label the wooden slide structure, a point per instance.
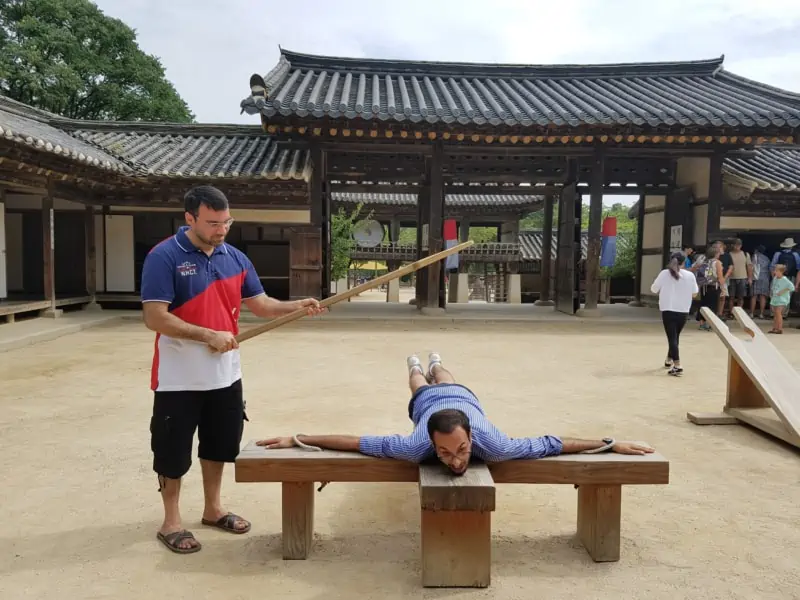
(763, 387)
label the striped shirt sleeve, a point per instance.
(401, 447)
(498, 447)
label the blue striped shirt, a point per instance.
(488, 442)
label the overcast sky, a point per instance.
(211, 47)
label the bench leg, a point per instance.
(456, 548)
(298, 519)
(599, 512)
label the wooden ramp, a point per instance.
(763, 387)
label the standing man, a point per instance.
(193, 285)
(741, 274)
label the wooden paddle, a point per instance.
(368, 285)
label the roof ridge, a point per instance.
(312, 61)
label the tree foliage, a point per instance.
(342, 241)
(67, 57)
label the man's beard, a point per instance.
(210, 242)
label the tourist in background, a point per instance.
(740, 275)
(782, 288)
(676, 287)
(709, 276)
(761, 282)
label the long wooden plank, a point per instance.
(767, 368)
(767, 421)
(255, 464)
(367, 285)
(439, 489)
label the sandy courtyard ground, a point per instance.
(81, 509)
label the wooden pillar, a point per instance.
(637, 293)
(595, 218)
(421, 276)
(599, 516)
(547, 252)
(297, 506)
(714, 197)
(394, 230)
(320, 216)
(434, 274)
(48, 251)
(91, 256)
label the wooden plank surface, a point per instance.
(456, 548)
(440, 489)
(767, 368)
(703, 418)
(767, 421)
(255, 464)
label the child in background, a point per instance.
(782, 288)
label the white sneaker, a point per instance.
(433, 359)
(413, 362)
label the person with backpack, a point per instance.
(709, 279)
(676, 287)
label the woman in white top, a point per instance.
(675, 288)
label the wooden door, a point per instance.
(305, 257)
(567, 255)
(678, 212)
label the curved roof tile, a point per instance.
(698, 93)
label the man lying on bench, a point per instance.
(450, 424)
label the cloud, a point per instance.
(211, 48)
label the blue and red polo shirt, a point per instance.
(203, 290)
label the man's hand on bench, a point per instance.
(347, 443)
(631, 448)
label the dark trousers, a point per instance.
(710, 299)
(673, 325)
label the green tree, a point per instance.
(67, 57)
(342, 241)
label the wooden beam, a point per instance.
(48, 248)
(435, 228)
(595, 218)
(599, 519)
(297, 507)
(637, 292)
(547, 250)
(91, 252)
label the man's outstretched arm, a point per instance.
(573, 445)
(383, 446)
(500, 447)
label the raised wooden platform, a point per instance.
(468, 499)
(10, 308)
(763, 387)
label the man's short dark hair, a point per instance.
(446, 421)
(208, 196)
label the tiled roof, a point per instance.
(461, 200)
(31, 127)
(772, 168)
(215, 152)
(693, 93)
(531, 244)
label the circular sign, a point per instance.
(368, 233)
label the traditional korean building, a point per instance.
(681, 135)
(648, 129)
(759, 204)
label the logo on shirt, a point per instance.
(187, 268)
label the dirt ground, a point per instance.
(81, 508)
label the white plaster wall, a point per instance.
(651, 267)
(653, 230)
(756, 223)
(700, 218)
(655, 202)
(14, 252)
(694, 172)
(119, 254)
(25, 201)
(100, 250)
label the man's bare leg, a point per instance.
(437, 372)
(416, 377)
(170, 494)
(212, 488)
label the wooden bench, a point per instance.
(455, 511)
(763, 388)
